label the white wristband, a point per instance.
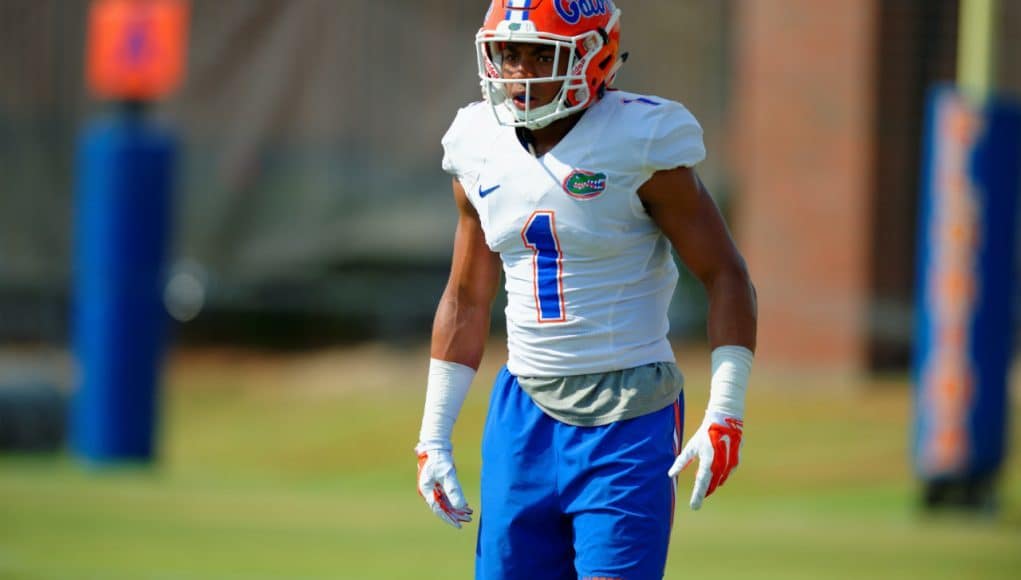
(731, 366)
(445, 392)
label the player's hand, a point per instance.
(438, 485)
(717, 444)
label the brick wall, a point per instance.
(803, 97)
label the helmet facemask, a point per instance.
(574, 94)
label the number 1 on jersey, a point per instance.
(540, 236)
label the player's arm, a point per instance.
(679, 204)
(461, 325)
(459, 335)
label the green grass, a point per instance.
(303, 468)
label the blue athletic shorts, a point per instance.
(567, 503)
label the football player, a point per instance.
(576, 193)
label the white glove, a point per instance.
(717, 441)
(438, 485)
(717, 444)
(446, 390)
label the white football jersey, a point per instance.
(589, 275)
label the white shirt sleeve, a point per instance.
(675, 141)
(450, 148)
(459, 142)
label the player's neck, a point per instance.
(540, 141)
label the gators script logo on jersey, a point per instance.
(584, 184)
(573, 10)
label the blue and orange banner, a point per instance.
(966, 285)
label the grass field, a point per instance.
(301, 467)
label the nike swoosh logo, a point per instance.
(640, 100)
(725, 439)
(485, 192)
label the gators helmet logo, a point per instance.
(573, 10)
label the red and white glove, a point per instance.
(438, 485)
(437, 477)
(717, 444)
(717, 441)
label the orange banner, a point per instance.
(136, 48)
